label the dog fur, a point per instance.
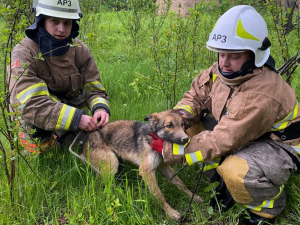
(130, 141)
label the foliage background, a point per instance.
(146, 61)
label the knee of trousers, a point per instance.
(38, 141)
(249, 187)
(233, 171)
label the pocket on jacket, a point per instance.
(76, 82)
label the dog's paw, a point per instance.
(198, 199)
(174, 214)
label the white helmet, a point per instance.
(241, 28)
(68, 9)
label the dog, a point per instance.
(130, 140)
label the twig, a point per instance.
(189, 207)
(178, 171)
(4, 162)
(290, 66)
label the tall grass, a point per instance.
(63, 190)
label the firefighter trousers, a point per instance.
(255, 174)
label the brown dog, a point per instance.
(130, 141)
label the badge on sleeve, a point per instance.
(15, 64)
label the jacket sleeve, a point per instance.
(193, 101)
(39, 107)
(246, 121)
(93, 90)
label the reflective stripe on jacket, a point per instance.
(35, 147)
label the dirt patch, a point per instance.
(178, 6)
(182, 6)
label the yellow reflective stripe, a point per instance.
(98, 101)
(185, 107)
(296, 148)
(241, 32)
(65, 117)
(194, 157)
(179, 149)
(34, 90)
(267, 203)
(95, 85)
(214, 76)
(209, 166)
(282, 124)
(54, 98)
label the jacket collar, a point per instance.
(241, 79)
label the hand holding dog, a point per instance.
(102, 116)
(89, 123)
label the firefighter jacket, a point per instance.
(54, 91)
(245, 108)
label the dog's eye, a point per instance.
(170, 125)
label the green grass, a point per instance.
(62, 188)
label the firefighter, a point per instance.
(250, 116)
(60, 92)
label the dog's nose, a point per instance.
(184, 139)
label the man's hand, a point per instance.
(87, 123)
(102, 116)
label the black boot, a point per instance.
(223, 198)
(256, 219)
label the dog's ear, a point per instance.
(180, 112)
(151, 117)
(153, 120)
(148, 117)
(189, 121)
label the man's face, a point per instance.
(232, 62)
(59, 28)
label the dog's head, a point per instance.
(169, 125)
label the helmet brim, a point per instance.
(219, 50)
(57, 14)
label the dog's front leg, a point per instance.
(168, 172)
(149, 176)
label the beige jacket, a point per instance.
(245, 107)
(54, 90)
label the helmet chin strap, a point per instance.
(246, 68)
